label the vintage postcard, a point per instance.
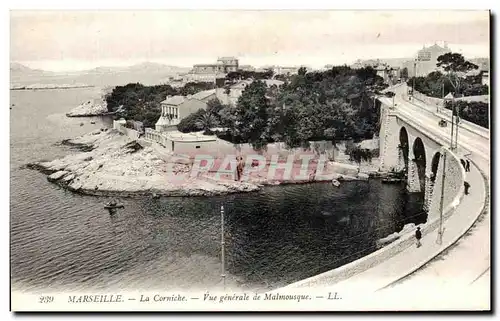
(286, 160)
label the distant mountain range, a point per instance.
(144, 67)
(147, 73)
(18, 68)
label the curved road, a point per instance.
(466, 265)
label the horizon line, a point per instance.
(128, 64)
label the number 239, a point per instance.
(46, 299)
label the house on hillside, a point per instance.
(485, 78)
(176, 108)
(211, 72)
(389, 74)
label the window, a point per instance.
(197, 146)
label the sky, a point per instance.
(78, 40)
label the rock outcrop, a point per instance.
(116, 165)
(109, 162)
(89, 108)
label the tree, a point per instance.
(206, 121)
(251, 115)
(456, 68)
(192, 122)
(404, 73)
(302, 71)
(214, 106)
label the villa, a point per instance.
(176, 108)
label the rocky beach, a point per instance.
(110, 163)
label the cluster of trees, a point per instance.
(336, 104)
(359, 155)
(204, 119)
(245, 74)
(332, 105)
(474, 111)
(454, 78)
(404, 74)
(142, 103)
(436, 84)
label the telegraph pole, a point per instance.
(441, 205)
(452, 121)
(457, 121)
(414, 76)
(223, 275)
(442, 97)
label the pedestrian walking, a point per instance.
(418, 236)
(463, 164)
(466, 186)
(467, 166)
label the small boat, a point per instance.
(326, 214)
(391, 180)
(112, 205)
(335, 183)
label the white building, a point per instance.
(176, 108)
(426, 60)
(485, 78)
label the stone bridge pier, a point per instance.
(404, 147)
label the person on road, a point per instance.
(466, 186)
(467, 166)
(418, 236)
(463, 164)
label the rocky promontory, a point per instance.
(113, 164)
(89, 108)
(109, 162)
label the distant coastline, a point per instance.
(48, 86)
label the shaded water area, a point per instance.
(274, 237)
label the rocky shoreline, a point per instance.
(48, 87)
(90, 109)
(109, 163)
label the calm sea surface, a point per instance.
(273, 237)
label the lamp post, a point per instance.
(442, 97)
(454, 125)
(414, 76)
(223, 275)
(457, 110)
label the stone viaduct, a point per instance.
(406, 146)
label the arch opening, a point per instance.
(435, 165)
(404, 146)
(420, 161)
